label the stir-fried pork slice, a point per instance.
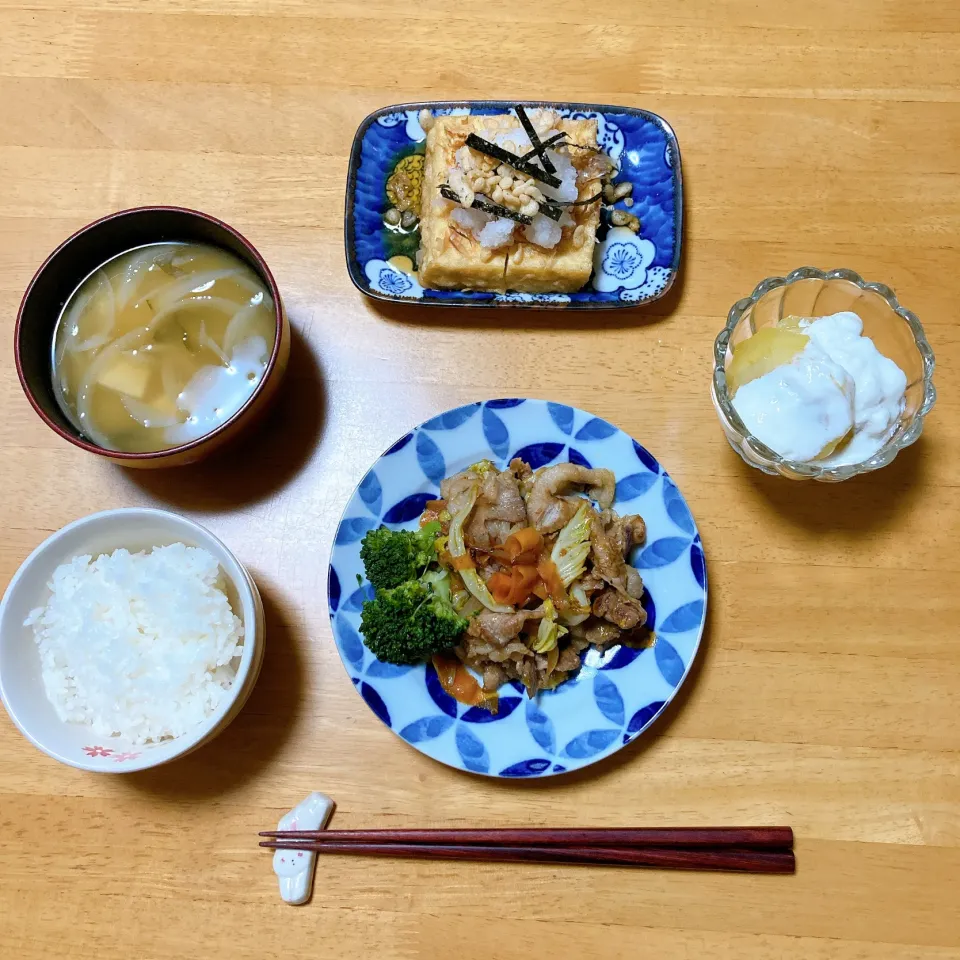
(456, 489)
(520, 469)
(501, 628)
(499, 507)
(634, 583)
(569, 660)
(625, 532)
(549, 510)
(477, 651)
(607, 557)
(601, 633)
(622, 610)
(591, 583)
(529, 676)
(494, 677)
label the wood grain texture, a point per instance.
(825, 132)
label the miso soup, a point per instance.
(161, 345)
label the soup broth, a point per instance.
(161, 345)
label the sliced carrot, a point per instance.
(526, 541)
(525, 578)
(514, 587)
(551, 578)
(446, 668)
(463, 563)
(461, 684)
(526, 575)
(501, 586)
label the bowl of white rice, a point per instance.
(127, 639)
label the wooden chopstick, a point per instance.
(741, 859)
(634, 837)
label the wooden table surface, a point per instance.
(826, 694)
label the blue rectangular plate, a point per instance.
(629, 269)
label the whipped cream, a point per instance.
(837, 402)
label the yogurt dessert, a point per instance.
(817, 389)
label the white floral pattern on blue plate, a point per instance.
(654, 285)
(617, 694)
(411, 120)
(387, 279)
(621, 261)
(626, 271)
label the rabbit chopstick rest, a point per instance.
(295, 868)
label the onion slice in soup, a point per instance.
(149, 416)
(238, 329)
(182, 288)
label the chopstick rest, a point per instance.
(295, 868)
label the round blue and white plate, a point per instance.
(616, 695)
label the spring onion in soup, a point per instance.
(161, 345)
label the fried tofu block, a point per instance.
(566, 267)
(450, 256)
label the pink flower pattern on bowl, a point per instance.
(98, 751)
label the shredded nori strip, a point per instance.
(579, 203)
(585, 146)
(511, 159)
(551, 208)
(546, 143)
(488, 206)
(538, 147)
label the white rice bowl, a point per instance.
(23, 689)
(141, 646)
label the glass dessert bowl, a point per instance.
(810, 293)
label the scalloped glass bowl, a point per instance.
(809, 292)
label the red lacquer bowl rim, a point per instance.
(207, 437)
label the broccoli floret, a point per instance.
(409, 623)
(391, 557)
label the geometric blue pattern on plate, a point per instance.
(629, 269)
(617, 694)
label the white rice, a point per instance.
(140, 646)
